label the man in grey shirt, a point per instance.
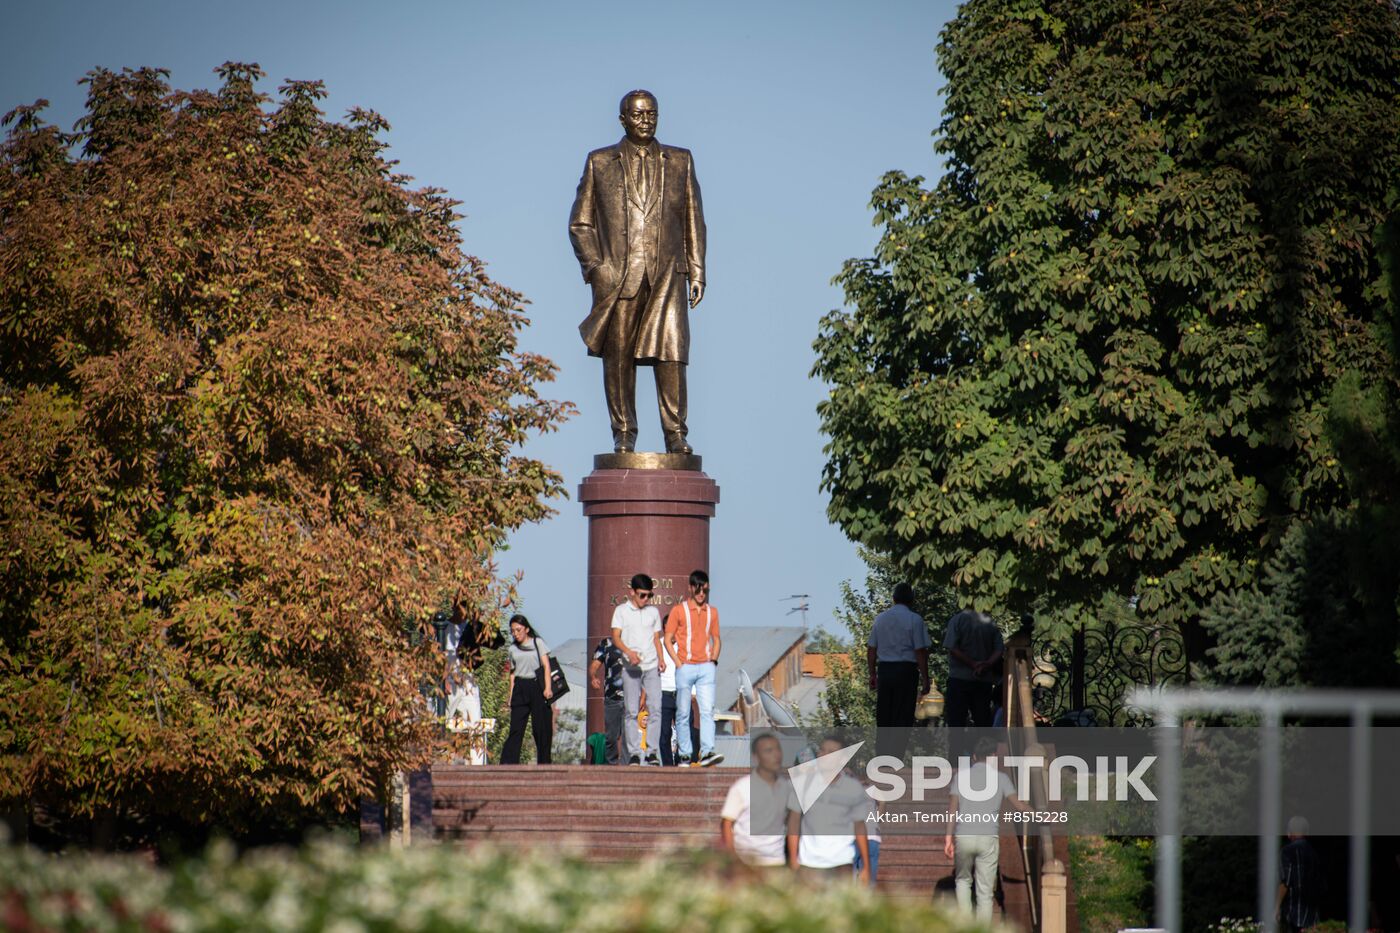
(974, 654)
(896, 656)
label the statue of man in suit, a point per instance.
(639, 233)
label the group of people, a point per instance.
(897, 661)
(530, 689)
(647, 663)
(837, 836)
(762, 821)
(898, 665)
(764, 824)
(644, 661)
(642, 665)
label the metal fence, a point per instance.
(1170, 706)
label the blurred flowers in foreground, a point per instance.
(335, 887)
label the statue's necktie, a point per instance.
(642, 175)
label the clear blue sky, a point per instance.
(792, 109)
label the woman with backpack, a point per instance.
(530, 693)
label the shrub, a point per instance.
(1111, 879)
(325, 886)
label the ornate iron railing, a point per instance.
(1085, 680)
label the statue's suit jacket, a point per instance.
(598, 230)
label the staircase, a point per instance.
(613, 814)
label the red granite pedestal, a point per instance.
(644, 516)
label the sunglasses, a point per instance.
(643, 594)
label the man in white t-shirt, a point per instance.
(823, 842)
(974, 809)
(755, 809)
(636, 630)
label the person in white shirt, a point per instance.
(463, 696)
(636, 630)
(823, 843)
(755, 809)
(467, 636)
(976, 824)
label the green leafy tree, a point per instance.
(493, 679)
(259, 415)
(1325, 611)
(1093, 363)
(823, 642)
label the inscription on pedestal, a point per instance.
(668, 589)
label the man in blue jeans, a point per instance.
(692, 635)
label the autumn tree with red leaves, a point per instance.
(259, 416)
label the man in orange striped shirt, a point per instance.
(692, 635)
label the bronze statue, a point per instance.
(639, 233)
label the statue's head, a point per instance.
(637, 114)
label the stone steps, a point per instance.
(619, 814)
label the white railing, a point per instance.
(1271, 705)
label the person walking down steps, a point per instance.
(530, 693)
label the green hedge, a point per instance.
(334, 887)
(1112, 879)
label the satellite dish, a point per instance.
(778, 714)
(746, 687)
